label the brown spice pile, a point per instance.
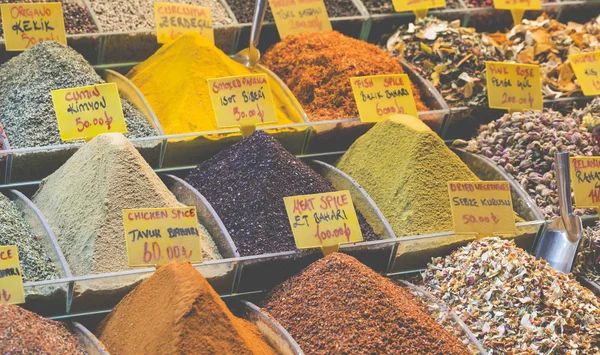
(317, 68)
(176, 311)
(339, 306)
(24, 332)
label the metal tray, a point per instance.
(89, 342)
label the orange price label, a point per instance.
(586, 67)
(11, 279)
(26, 24)
(482, 207)
(515, 87)
(172, 20)
(156, 236)
(300, 16)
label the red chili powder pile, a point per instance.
(317, 68)
(339, 306)
(176, 311)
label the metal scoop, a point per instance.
(250, 56)
(558, 245)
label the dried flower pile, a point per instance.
(588, 257)
(451, 57)
(515, 304)
(524, 143)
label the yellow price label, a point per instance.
(586, 67)
(26, 24)
(87, 111)
(515, 87)
(518, 7)
(157, 236)
(300, 16)
(420, 7)
(585, 179)
(482, 207)
(323, 220)
(11, 277)
(173, 20)
(243, 100)
(381, 96)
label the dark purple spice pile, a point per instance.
(244, 9)
(246, 185)
(76, 15)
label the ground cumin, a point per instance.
(339, 306)
(173, 80)
(176, 311)
(317, 68)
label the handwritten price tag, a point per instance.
(87, 111)
(585, 177)
(586, 67)
(173, 20)
(515, 87)
(482, 207)
(419, 7)
(156, 236)
(27, 24)
(11, 279)
(243, 100)
(518, 7)
(323, 220)
(381, 96)
(299, 16)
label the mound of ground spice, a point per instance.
(317, 68)
(408, 176)
(246, 185)
(24, 332)
(84, 200)
(175, 311)
(339, 306)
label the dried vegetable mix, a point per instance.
(514, 303)
(244, 9)
(176, 311)
(317, 68)
(24, 332)
(451, 57)
(338, 305)
(524, 143)
(246, 184)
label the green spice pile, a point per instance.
(451, 57)
(405, 167)
(84, 200)
(513, 303)
(24, 332)
(524, 143)
(14, 230)
(27, 113)
(587, 262)
(339, 306)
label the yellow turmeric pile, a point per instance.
(173, 80)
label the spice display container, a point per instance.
(338, 135)
(32, 164)
(89, 342)
(445, 317)
(193, 148)
(272, 331)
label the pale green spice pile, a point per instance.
(405, 167)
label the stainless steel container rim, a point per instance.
(85, 333)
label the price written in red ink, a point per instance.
(470, 219)
(514, 86)
(26, 24)
(154, 253)
(11, 279)
(299, 16)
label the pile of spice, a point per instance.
(176, 311)
(173, 80)
(408, 176)
(36, 265)
(587, 262)
(84, 200)
(24, 332)
(28, 115)
(135, 15)
(524, 143)
(75, 13)
(548, 43)
(244, 9)
(514, 303)
(246, 185)
(317, 68)
(338, 305)
(450, 56)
